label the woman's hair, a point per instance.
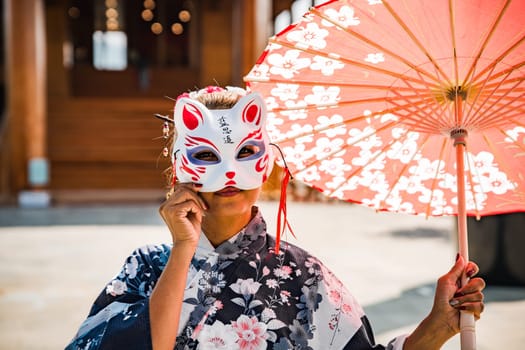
(218, 99)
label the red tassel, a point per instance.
(173, 175)
(282, 218)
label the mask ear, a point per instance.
(189, 113)
(253, 109)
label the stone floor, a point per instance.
(53, 263)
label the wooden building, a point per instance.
(83, 79)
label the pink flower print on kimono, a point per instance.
(252, 333)
(218, 336)
(218, 148)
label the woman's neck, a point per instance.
(220, 229)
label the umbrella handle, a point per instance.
(468, 331)
(467, 325)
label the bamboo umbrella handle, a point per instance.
(466, 321)
(468, 331)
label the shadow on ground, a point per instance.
(81, 215)
(414, 304)
(421, 232)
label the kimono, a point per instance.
(239, 295)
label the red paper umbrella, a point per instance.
(413, 106)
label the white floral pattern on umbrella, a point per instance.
(360, 105)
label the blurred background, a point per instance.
(82, 170)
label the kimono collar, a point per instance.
(251, 238)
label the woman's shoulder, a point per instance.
(149, 249)
(151, 254)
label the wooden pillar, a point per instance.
(263, 28)
(59, 51)
(26, 95)
(252, 21)
(216, 63)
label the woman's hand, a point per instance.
(443, 321)
(182, 212)
(451, 297)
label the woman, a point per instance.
(222, 284)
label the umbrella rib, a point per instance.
(359, 169)
(515, 142)
(440, 116)
(487, 98)
(431, 129)
(521, 195)
(331, 105)
(479, 113)
(504, 165)
(345, 60)
(471, 181)
(359, 139)
(435, 178)
(375, 45)
(471, 105)
(414, 39)
(422, 101)
(488, 36)
(506, 72)
(429, 125)
(500, 58)
(488, 120)
(422, 120)
(508, 170)
(507, 120)
(343, 84)
(506, 96)
(335, 125)
(503, 119)
(453, 35)
(422, 124)
(403, 169)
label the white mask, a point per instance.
(222, 147)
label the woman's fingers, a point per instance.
(186, 195)
(459, 300)
(474, 308)
(183, 212)
(470, 297)
(474, 285)
(184, 192)
(471, 270)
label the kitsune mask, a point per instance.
(222, 147)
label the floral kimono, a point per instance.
(240, 295)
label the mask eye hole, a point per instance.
(203, 156)
(250, 151)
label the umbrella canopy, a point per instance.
(414, 106)
(367, 100)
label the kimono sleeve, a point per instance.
(342, 320)
(119, 317)
(363, 339)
